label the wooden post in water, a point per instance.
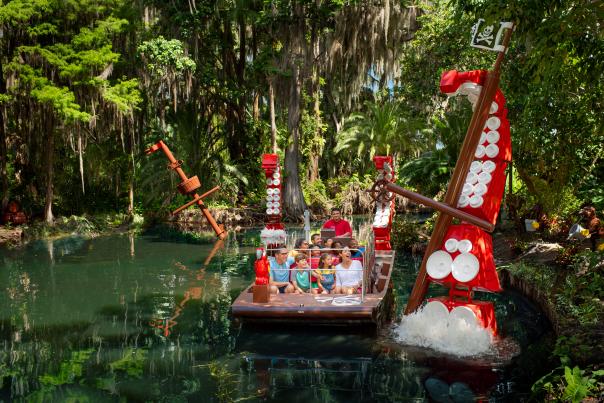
(188, 186)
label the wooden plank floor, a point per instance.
(304, 305)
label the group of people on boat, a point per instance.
(322, 266)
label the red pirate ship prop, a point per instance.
(460, 256)
(189, 186)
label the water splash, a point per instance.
(456, 336)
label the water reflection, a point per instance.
(141, 318)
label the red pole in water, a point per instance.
(188, 186)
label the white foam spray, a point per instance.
(452, 335)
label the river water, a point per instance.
(145, 318)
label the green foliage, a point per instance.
(124, 94)
(405, 233)
(350, 193)
(226, 381)
(431, 171)
(62, 100)
(384, 129)
(106, 73)
(582, 294)
(164, 57)
(132, 363)
(87, 225)
(542, 276)
(172, 234)
(17, 11)
(575, 294)
(573, 386)
(69, 370)
(552, 83)
(315, 194)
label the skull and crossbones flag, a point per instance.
(485, 37)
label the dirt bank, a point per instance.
(10, 236)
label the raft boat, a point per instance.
(372, 306)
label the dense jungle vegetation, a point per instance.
(86, 86)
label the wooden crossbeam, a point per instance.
(195, 200)
(442, 207)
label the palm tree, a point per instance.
(430, 172)
(382, 130)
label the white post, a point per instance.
(307, 224)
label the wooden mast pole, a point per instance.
(466, 156)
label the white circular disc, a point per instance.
(480, 189)
(464, 246)
(269, 198)
(276, 191)
(269, 181)
(276, 197)
(479, 151)
(472, 178)
(493, 136)
(436, 310)
(277, 210)
(465, 267)
(476, 167)
(485, 177)
(438, 265)
(269, 211)
(467, 189)
(469, 88)
(463, 313)
(276, 204)
(483, 138)
(494, 107)
(276, 182)
(476, 201)
(463, 201)
(493, 123)
(492, 150)
(276, 175)
(451, 245)
(488, 166)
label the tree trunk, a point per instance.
(271, 106)
(316, 147)
(294, 198)
(131, 197)
(81, 160)
(48, 217)
(3, 148)
(256, 106)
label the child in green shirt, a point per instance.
(302, 274)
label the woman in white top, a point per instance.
(349, 274)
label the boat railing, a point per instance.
(364, 263)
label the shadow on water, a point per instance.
(142, 319)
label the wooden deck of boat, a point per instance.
(308, 308)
